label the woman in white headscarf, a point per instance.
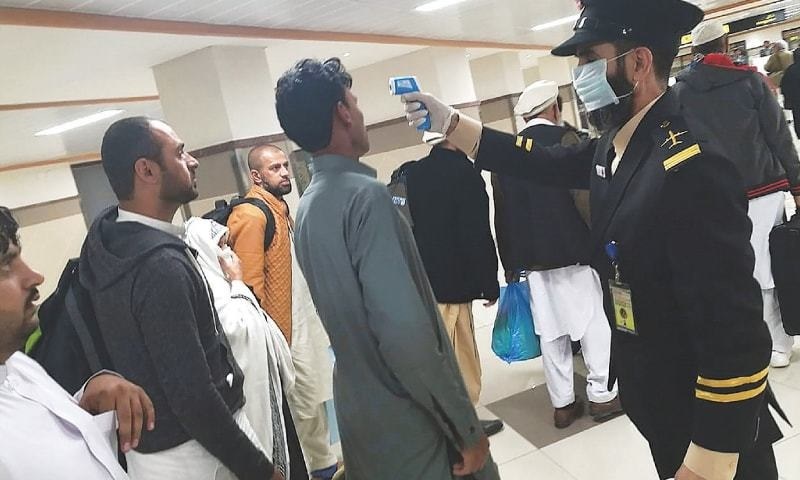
(258, 345)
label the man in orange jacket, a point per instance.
(283, 294)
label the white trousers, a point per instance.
(558, 369)
(187, 461)
(765, 213)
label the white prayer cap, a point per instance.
(706, 32)
(536, 98)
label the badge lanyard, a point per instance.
(621, 294)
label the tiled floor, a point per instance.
(610, 451)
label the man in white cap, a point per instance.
(449, 211)
(718, 97)
(543, 231)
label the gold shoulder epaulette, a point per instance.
(676, 142)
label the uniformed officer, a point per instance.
(670, 236)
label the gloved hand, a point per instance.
(441, 113)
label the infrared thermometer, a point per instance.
(408, 84)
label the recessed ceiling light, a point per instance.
(80, 122)
(556, 23)
(346, 54)
(437, 5)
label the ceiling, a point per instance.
(45, 64)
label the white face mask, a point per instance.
(591, 84)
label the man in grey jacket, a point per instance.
(402, 406)
(735, 104)
(156, 317)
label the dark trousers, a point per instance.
(796, 122)
(297, 464)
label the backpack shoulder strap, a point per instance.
(269, 232)
(81, 329)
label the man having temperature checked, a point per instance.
(402, 406)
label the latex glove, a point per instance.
(441, 113)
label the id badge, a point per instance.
(623, 308)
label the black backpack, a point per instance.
(223, 209)
(71, 348)
(398, 189)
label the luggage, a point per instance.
(784, 248)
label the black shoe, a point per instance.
(491, 427)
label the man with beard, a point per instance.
(670, 236)
(156, 316)
(282, 291)
(543, 231)
(38, 415)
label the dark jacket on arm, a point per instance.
(162, 333)
(450, 208)
(736, 108)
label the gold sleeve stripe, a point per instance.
(681, 157)
(733, 382)
(529, 145)
(730, 397)
(519, 141)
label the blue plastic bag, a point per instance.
(513, 337)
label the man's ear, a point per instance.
(643, 63)
(342, 113)
(147, 171)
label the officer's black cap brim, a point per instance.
(681, 15)
(581, 38)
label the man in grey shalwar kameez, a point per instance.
(402, 406)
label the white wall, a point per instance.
(47, 246)
(32, 186)
(444, 72)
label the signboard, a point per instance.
(749, 23)
(757, 21)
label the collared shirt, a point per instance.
(166, 227)
(39, 416)
(538, 121)
(623, 137)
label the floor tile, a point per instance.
(788, 455)
(789, 376)
(789, 400)
(530, 412)
(612, 451)
(533, 466)
(499, 379)
(508, 445)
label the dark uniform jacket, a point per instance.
(697, 370)
(450, 211)
(738, 109)
(538, 227)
